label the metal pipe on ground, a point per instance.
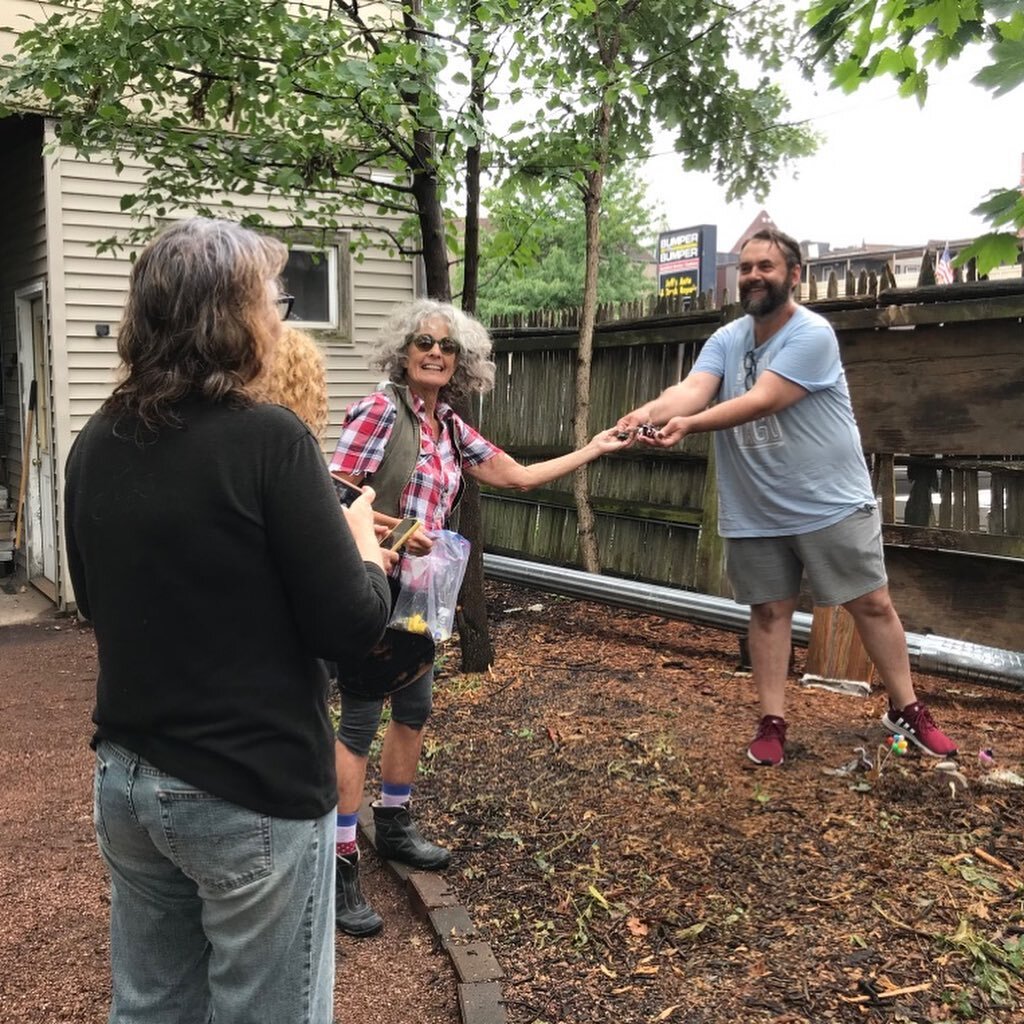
(940, 655)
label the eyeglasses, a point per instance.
(750, 368)
(284, 304)
(425, 342)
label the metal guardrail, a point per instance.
(941, 655)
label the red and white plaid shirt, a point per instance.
(431, 490)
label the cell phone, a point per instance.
(347, 491)
(398, 535)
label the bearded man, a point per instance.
(794, 494)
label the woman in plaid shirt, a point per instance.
(409, 443)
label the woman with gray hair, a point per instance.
(407, 440)
(212, 602)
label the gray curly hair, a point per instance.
(474, 371)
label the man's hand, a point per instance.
(632, 421)
(671, 433)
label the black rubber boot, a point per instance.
(399, 839)
(352, 914)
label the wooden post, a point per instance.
(996, 521)
(883, 480)
(709, 576)
(836, 659)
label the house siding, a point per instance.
(18, 15)
(59, 208)
(95, 287)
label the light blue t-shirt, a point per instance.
(798, 470)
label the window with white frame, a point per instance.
(310, 276)
(317, 275)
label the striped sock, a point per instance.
(393, 795)
(345, 835)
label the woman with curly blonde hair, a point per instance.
(408, 441)
(296, 380)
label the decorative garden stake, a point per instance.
(895, 744)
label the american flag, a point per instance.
(944, 268)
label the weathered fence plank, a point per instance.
(949, 388)
(963, 596)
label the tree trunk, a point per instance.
(585, 520)
(423, 168)
(474, 636)
(471, 241)
(474, 632)
(431, 217)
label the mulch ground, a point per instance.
(628, 863)
(620, 854)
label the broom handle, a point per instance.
(26, 454)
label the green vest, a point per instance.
(400, 454)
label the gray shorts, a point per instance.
(842, 562)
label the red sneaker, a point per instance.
(766, 746)
(916, 723)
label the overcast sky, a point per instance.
(888, 171)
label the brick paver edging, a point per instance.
(479, 973)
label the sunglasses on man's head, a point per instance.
(425, 342)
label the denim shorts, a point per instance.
(360, 719)
(842, 562)
(216, 911)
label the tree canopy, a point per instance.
(860, 40)
(334, 112)
(533, 246)
(659, 64)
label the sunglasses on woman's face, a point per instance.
(425, 342)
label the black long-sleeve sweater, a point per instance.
(216, 567)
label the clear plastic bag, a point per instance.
(430, 587)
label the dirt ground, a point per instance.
(620, 854)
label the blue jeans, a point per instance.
(217, 913)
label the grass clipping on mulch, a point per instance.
(627, 862)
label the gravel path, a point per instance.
(53, 929)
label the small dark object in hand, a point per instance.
(622, 435)
(347, 491)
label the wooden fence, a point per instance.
(936, 377)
